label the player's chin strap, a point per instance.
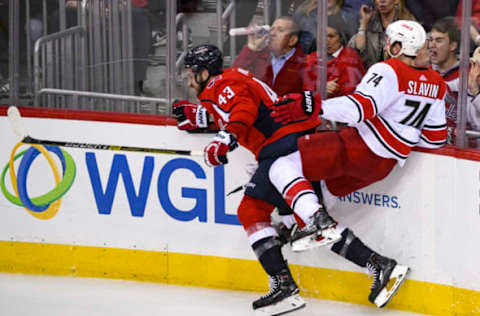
(397, 55)
(202, 84)
(389, 51)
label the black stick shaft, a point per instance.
(30, 140)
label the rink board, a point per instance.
(166, 218)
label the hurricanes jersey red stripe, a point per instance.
(295, 190)
(368, 106)
(389, 138)
(435, 136)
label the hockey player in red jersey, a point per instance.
(396, 107)
(241, 105)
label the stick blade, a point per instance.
(16, 122)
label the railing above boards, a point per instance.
(84, 100)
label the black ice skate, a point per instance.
(384, 270)
(319, 232)
(282, 298)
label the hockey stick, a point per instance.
(19, 129)
(237, 189)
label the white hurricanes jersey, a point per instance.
(394, 108)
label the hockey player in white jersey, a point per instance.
(396, 107)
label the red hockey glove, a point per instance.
(296, 107)
(215, 153)
(190, 116)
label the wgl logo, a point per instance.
(45, 206)
(137, 202)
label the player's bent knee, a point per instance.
(252, 211)
(284, 169)
(254, 215)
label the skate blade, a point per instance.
(329, 236)
(288, 305)
(399, 273)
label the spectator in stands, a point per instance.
(245, 11)
(344, 68)
(275, 58)
(370, 38)
(443, 48)
(306, 16)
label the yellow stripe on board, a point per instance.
(225, 273)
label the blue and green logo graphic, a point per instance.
(47, 205)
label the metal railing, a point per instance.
(95, 56)
(111, 102)
(180, 19)
(59, 62)
(222, 17)
(108, 26)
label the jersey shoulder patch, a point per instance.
(213, 81)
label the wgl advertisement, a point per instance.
(47, 205)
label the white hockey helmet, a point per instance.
(409, 34)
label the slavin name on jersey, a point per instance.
(428, 90)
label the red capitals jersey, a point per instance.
(241, 104)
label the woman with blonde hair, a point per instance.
(370, 38)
